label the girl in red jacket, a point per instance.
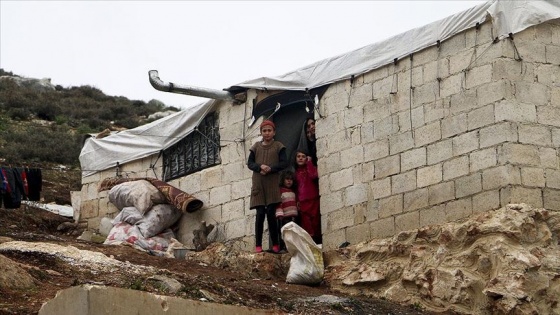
(308, 195)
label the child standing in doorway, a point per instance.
(287, 209)
(266, 159)
(308, 195)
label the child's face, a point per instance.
(267, 133)
(288, 182)
(301, 158)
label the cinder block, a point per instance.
(514, 111)
(329, 125)
(535, 134)
(241, 189)
(413, 158)
(377, 109)
(518, 154)
(89, 209)
(356, 194)
(333, 239)
(234, 171)
(468, 185)
(387, 166)
(440, 151)
(436, 69)
(463, 102)
(211, 177)
(483, 159)
(355, 114)
(478, 76)
(358, 233)
(498, 133)
(190, 183)
(429, 175)
(351, 157)
(465, 143)
(236, 228)
(367, 172)
(454, 125)
(441, 192)
(416, 199)
(418, 117)
(552, 178)
(366, 132)
(480, 117)
(551, 199)
(432, 216)
(427, 134)
(500, 176)
(401, 142)
(452, 84)
(390, 206)
(403, 182)
(220, 195)
(507, 69)
(517, 194)
(372, 210)
(533, 177)
(486, 200)
(341, 179)
(549, 158)
(493, 92)
(427, 93)
(548, 115)
(381, 188)
(532, 51)
(456, 167)
(385, 127)
(377, 74)
(93, 178)
(556, 137)
(338, 142)
(329, 164)
(331, 202)
(233, 210)
(340, 219)
(426, 55)
(404, 120)
(453, 45)
(382, 228)
(407, 221)
(360, 213)
(460, 61)
(436, 110)
(477, 36)
(458, 209)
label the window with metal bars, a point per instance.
(198, 150)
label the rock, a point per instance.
(504, 261)
(86, 236)
(13, 276)
(170, 285)
(4, 239)
(66, 227)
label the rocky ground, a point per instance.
(28, 278)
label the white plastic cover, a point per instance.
(507, 17)
(137, 143)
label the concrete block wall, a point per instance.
(458, 129)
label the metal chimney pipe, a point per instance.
(188, 90)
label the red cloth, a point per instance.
(310, 216)
(306, 178)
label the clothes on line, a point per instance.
(19, 183)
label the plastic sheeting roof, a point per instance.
(507, 17)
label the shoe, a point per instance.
(258, 249)
(276, 248)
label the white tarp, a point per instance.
(140, 142)
(507, 17)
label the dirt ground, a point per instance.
(52, 274)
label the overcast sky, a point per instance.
(112, 45)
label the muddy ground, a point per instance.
(199, 281)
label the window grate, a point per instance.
(198, 150)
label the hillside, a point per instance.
(43, 126)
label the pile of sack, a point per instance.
(148, 208)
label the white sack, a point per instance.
(159, 218)
(306, 264)
(140, 194)
(130, 215)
